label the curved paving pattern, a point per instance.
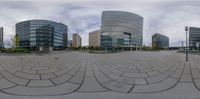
(126, 72)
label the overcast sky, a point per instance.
(168, 17)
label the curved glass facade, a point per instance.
(160, 41)
(121, 29)
(47, 34)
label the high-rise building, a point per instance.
(121, 30)
(94, 38)
(42, 35)
(160, 41)
(194, 37)
(1, 37)
(76, 42)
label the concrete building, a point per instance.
(194, 38)
(121, 30)
(42, 35)
(94, 38)
(1, 37)
(160, 41)
(76, 42)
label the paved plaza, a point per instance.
(77, 75)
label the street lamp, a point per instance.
(186, 29)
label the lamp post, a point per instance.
(132, 37)
(186, 29)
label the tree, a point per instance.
(15, 40)
(144, 47)
(155, 47)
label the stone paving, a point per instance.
(75, 72)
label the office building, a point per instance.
(76, 42)
(121, 30)
(42, 35)
(160, 41)
(194, 38)
(1, 37)
(94, 38)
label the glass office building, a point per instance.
(160, 41)
(121, 30)
(194, 38)
(42, 35)
(1, 38)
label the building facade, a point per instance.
(77, 41)
(94, 38)
(121, 30)
(160, 41)
(1, 37)
(194, 38)
(42, 35)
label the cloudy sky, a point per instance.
(168, 17)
